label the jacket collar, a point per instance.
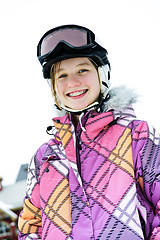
(119, 98)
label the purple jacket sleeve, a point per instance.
(29, 222)
(146, 157)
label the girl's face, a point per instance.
(77, 83)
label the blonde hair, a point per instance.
(54, 69)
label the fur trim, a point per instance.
(120, 97)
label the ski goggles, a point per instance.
(69, 41)
(72, 35)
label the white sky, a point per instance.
(129, 29)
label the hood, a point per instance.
(119, 98)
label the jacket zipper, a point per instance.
(78, 147)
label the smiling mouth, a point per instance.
(77, 93)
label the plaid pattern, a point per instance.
(123, 120)
(115, 229)
(127, 213)
(154, 135)
(30, 219)
(122, 154)
(103, 203)
(31, 179)
(102, 182)
(59, 213)
(64, 131)
(80, 206)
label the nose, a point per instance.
(73, 81)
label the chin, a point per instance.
(79, 108)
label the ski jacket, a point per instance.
(98, 181)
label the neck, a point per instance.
(75, 119)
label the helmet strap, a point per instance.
(79, 111)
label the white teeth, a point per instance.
(74, 94)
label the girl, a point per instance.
(99, 176)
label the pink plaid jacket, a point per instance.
(99, 183)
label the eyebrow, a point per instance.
(59, 70)
(78, 65)
(82, 64)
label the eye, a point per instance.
(83, 70)
(62, 76)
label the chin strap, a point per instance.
(80, 111)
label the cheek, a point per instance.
(59, 90)
(96, 88)
(96, 83)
